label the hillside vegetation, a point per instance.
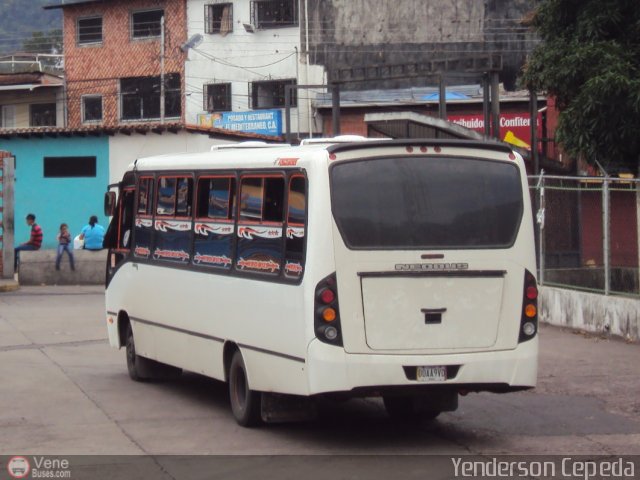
(19, 19)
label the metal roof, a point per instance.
(456, 94)
(415, 125)
(139, 128)
(72, 3)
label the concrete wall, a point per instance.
(74, 200)
(346, 33)
(125, 149)
(38, 268)
(56, 200)
(591, 312)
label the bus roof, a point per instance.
(263, 155)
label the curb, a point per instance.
(9, 286)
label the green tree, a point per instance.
(44, 42)
(589, 59)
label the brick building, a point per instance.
(113, 60)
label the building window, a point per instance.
(92, 108)
(217, 97)
(89, 30)
(8, 116)
(141, 97)
(218, 18)
(42, 115)
(274, 13)
(146, 24)
(270, 94)
(64, 167)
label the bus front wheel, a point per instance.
(245, 403)
(141, 368)
(133, 360)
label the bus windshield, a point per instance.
(427, 203)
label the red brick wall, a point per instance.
(352, 119)
(96, 69)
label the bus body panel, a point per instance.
(193, 313)
(383, 303)
(331, 369)
(396, 311)
(184, 317)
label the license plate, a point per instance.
(431, 374)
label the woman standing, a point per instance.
(92, 234)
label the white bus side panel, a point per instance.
(187, 316)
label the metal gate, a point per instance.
(6, 214)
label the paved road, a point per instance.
(63, 390)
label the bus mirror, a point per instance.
(109, 203)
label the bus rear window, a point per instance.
(427, 203)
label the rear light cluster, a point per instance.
(327, 314)
(529, 319)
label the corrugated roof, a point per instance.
(413, 96)
(139, 128)
(72, 3)
(38, 78)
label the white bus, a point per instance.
(394, 268)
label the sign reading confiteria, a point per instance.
(515, 128)
(265, 122)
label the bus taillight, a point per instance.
(529, 317)
(327, 316)
(327, 296)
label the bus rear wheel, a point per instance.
(407, 409)
(245, 403)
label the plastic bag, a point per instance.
(78, 243)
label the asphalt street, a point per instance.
(64, 391)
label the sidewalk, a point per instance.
(8, 285)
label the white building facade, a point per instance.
(235, 76)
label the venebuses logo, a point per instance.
(18, 467)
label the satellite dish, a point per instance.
(193, 42)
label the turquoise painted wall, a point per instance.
(57, 200)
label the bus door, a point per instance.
(119, 235)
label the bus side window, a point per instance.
(214, 225)
(260, 226)
(144, 219)
(173, 225)
(296, 231)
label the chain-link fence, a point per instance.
(587, 232)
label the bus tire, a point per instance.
(245, 403)
(133, 359)
(141, 368)
(406, 409)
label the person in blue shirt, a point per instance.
(92, 234)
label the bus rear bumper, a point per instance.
(331, 369)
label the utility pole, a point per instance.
(162, 69)
(495, 105)
(442, 97)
